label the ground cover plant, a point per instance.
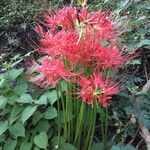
(80, 87)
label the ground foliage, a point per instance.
(28, 114)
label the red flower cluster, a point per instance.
(75, 45)
(97, 86)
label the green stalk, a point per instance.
(102, 126)
(68, 112)
(90, 127)
(106, 127)
(93, 125)
(58, 107)
(64, 113)
(79, 122)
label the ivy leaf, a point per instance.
(25, 146)
(41, 140)
(3, 127)
(28, 112)
(50, 113)
(17, 130)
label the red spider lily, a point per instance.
(96, 86)
(53, 70)
(108, 58)
(76, 37)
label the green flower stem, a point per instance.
(79, 123)
(106, 126)
(102, 126)
(90, 111)
(64, 113)
(58, 107)
(93, 124)
(68, 113)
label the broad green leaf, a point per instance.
(36, 117)
(42, 100)
(25, 146)
(2, 82)
(3, 102)
(12, 98)
(97, 146)
(17, 129)
(21, 88)
(123, 147)
(53, 97)
(50, 113)
(43, 125)
(3, 127)
(10, 144)
(15, 113)
(2, 138)
(41, 140)
(25, 98)
(67, 146)
(14, 73)
(28, 112)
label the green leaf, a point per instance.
(3, 127)
(14, 73)
(28, 112)
(43, 125)
(55, 141)
(10, 144)
(2, 138)
(53, 97)
(36, 148)
(36, 117)
(97, 146)
(42, 100)
(144, 42)
(50, 113)
(123, 147)
(25, 98)
(25, 146)
(67, 146)
(41, 140)
(15, 113)
(63, 85)
(17, 129)
(135, 62)
(21, 88)
(3, 102)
